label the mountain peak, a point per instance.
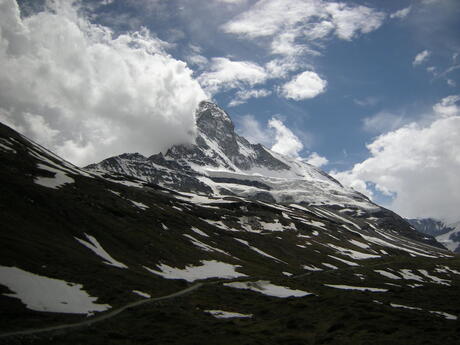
(211, 112)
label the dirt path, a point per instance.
(102, 317)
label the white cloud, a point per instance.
(87, 95)
(304, 19)
(278, 137)
(197, 60)
(275, 135)
(227, 74)
(232, 1)
(281, 67)
(351, 20)
(383, 122)
(448, 106)
(416, 164)
(242, 96)
(251, 129)
(286, 142)
(402, 13)
(451, 82)
(421, 57)
(432, 70)
(304, 86)
(316, 160)
(294, 30)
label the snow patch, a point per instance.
(142, 294)
(435, 279)
(204, 246)
(199, 232)
(138, 204)
(357, 288)
(94, 245)
(220, 314)
(349, 263)
(311, 268)
(388, 274)
(246, 243)
(48, 294)
(59, 179)
(207, 269)
(266, 288)
(353, 253)
(330, 266)
(409, 275)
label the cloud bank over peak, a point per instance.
(74, 87)
(416, 164)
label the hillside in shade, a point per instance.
(205, 241)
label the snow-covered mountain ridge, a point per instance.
(224, 163)
(221, 162)
(446, 234)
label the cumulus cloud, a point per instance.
(316, 160)
(286, 142)
(86, 94)
(282, 67)
(421, 57)
(225, 74)
(291, 20)
(448, 107)
(416, 164)
(295, 30)
(243, 96)
(304, 86)
(402, 13)
(278, 138)
(251, 129)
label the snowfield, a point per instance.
(48, 294)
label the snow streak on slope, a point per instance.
(94, 245)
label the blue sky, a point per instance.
(368, 90)
(366, 74)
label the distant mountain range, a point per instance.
(447, 235)
(221, 242)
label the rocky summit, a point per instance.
(220, 242)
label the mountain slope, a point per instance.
(224, 163)
(74, 244)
